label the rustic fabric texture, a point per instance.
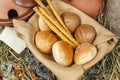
(105, 42)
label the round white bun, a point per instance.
(44, 41)
(42, 25)
(84, 53)
(62, 53)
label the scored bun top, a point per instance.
(85, 33)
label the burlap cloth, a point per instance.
(105, 41)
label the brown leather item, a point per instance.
(104, 41)
(10, 10)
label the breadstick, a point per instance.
(57, 15)
(52, 27)
(56, 23)
(43, 6)
(40, 3)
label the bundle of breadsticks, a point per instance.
(55, 22)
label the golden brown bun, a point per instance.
(42, 25)
(63, 53)
(71, 20)
(44, 41)
(84, 53)
(85, 33)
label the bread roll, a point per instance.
(42, 25)
(71, 20)
(85, 33)
(44, 41)
(84, 53)
(63, 53)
